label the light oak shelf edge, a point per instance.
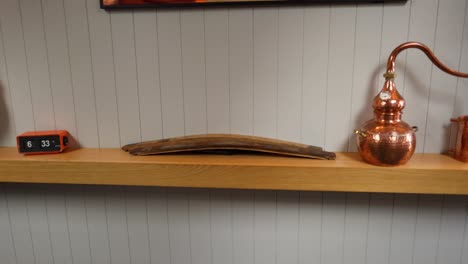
(425, 173)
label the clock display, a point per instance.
(42, 142)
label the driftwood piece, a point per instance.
(227, 142)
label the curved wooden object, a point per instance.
(225, 143)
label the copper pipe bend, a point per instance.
(391, 59)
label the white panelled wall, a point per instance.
(303, 74)
(89, 224)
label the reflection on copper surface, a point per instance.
(110, 2)
(461, 147)
(386, 140)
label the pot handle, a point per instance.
(360, 133)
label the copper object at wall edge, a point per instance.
(461, 146)
(386, 140)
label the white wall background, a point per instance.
(297, 73)
(89, 224)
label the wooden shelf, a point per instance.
(425, 173)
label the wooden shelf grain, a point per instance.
(425, 173)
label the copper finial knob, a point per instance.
(386, 140)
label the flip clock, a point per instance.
(43, 142)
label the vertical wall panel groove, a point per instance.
(82, 73)
(460, 108)
(265, 227)
(77, 225)
(315, 80)
(462, 84)
(38, 64)
(193, 67)
(427, 229)
(170, 57)
(96, 219)
(418, 70)
(123, 42)
(290, 72)
(447, 46)
(16, 65)
(179, 231)
(356, 226)
(460, 92)
(287, 227)
(333, 228)
(380, 221)
(340, 77)
(241, 70)
(104, 80)
(137, 221)
(59, 65)
(40, 233)
(15, 199)
(217, 70)
(310, 224)
(403, 229)
(464, 257)
(265, 31)
(8, 133)
(158, 230)
(7, 251)
(451, 230)
(149, 91)
(58, 224)
(199, 217)
(221, 227)
(243, 227)
(117, 225)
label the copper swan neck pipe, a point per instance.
(391, 59)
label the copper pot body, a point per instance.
(386, 144)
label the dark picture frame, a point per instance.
(125, 4)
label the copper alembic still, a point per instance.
(386, 140)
